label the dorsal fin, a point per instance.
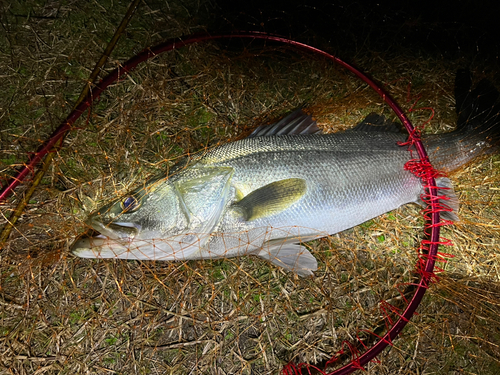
(296, 122)
(377, 123)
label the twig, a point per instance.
(39, 359)
(180, 345)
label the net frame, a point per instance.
(421, 167)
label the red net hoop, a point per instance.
(421, 167)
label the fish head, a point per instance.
(168, 219)
(132, 221)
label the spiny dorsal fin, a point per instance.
(296, 122)
(377, 123)
(272, 198)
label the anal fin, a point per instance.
(449, 199)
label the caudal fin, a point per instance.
(478, 110)
(478, 126)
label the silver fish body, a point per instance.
(340, 180)
(266, 194)
(345, 185)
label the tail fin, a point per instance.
(478, 110)
(478, 125)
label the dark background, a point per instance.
(448, 28)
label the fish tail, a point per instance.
(477, 109)
(478, 125)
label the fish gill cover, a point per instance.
(61, 314)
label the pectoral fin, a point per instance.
(272, 198)
(287, 253)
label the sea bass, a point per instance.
(284, 185)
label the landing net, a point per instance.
(202, 313)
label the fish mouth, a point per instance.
(105, 240)
(99, 247)
(114, 230)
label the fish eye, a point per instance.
(130, 204)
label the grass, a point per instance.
(64, 315)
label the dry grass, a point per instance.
(64, 315)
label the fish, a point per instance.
(287, 184)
